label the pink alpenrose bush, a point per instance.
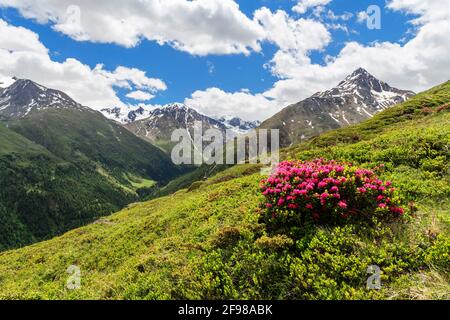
(326, 192)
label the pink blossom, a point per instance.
(334, 189)
(322, 184)
(342, 204)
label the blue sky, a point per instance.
(186, 72)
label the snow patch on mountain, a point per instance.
(237, 125)
(127, 114)
(24, 96)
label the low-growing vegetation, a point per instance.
(215, 241)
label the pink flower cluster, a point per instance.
(327, 189)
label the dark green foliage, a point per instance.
(41, 198)
(325, 264)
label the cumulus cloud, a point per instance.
(304, 5)
(140, 95)
(24, 56)
(295, 38)
(216, 102)
(199, 27)
(19, 39)
(301, 35)
(128, 77)
(428, 11)
(418, 64)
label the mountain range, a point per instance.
(127, 117)
(24, 97)
(158, 127)
(358, 97)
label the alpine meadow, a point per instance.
(348, 199)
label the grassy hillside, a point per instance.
(63, 168)
(207, 242)
(11, 142)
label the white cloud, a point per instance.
(417, 64)
(24, 56)
(344, 17)
(140, 95)
(199, 27)
(301, 35)
(216, 102)
(338, 26)
(127, 77)
(429, 11)
(295, 39)
(19, 39)
(304, 5)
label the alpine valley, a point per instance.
(207, 241)
(101, 189)
(76, 164)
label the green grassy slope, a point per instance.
(63, 168)
(11, 142)
(206, 242)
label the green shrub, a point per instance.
(438, 254)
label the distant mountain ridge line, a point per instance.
(356, 98)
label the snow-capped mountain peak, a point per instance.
(238, 125)
(129, 114)
(125, 114)
(162, 121)
(371, 94)
(358, 97)
(181, 115)
(24, 96)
